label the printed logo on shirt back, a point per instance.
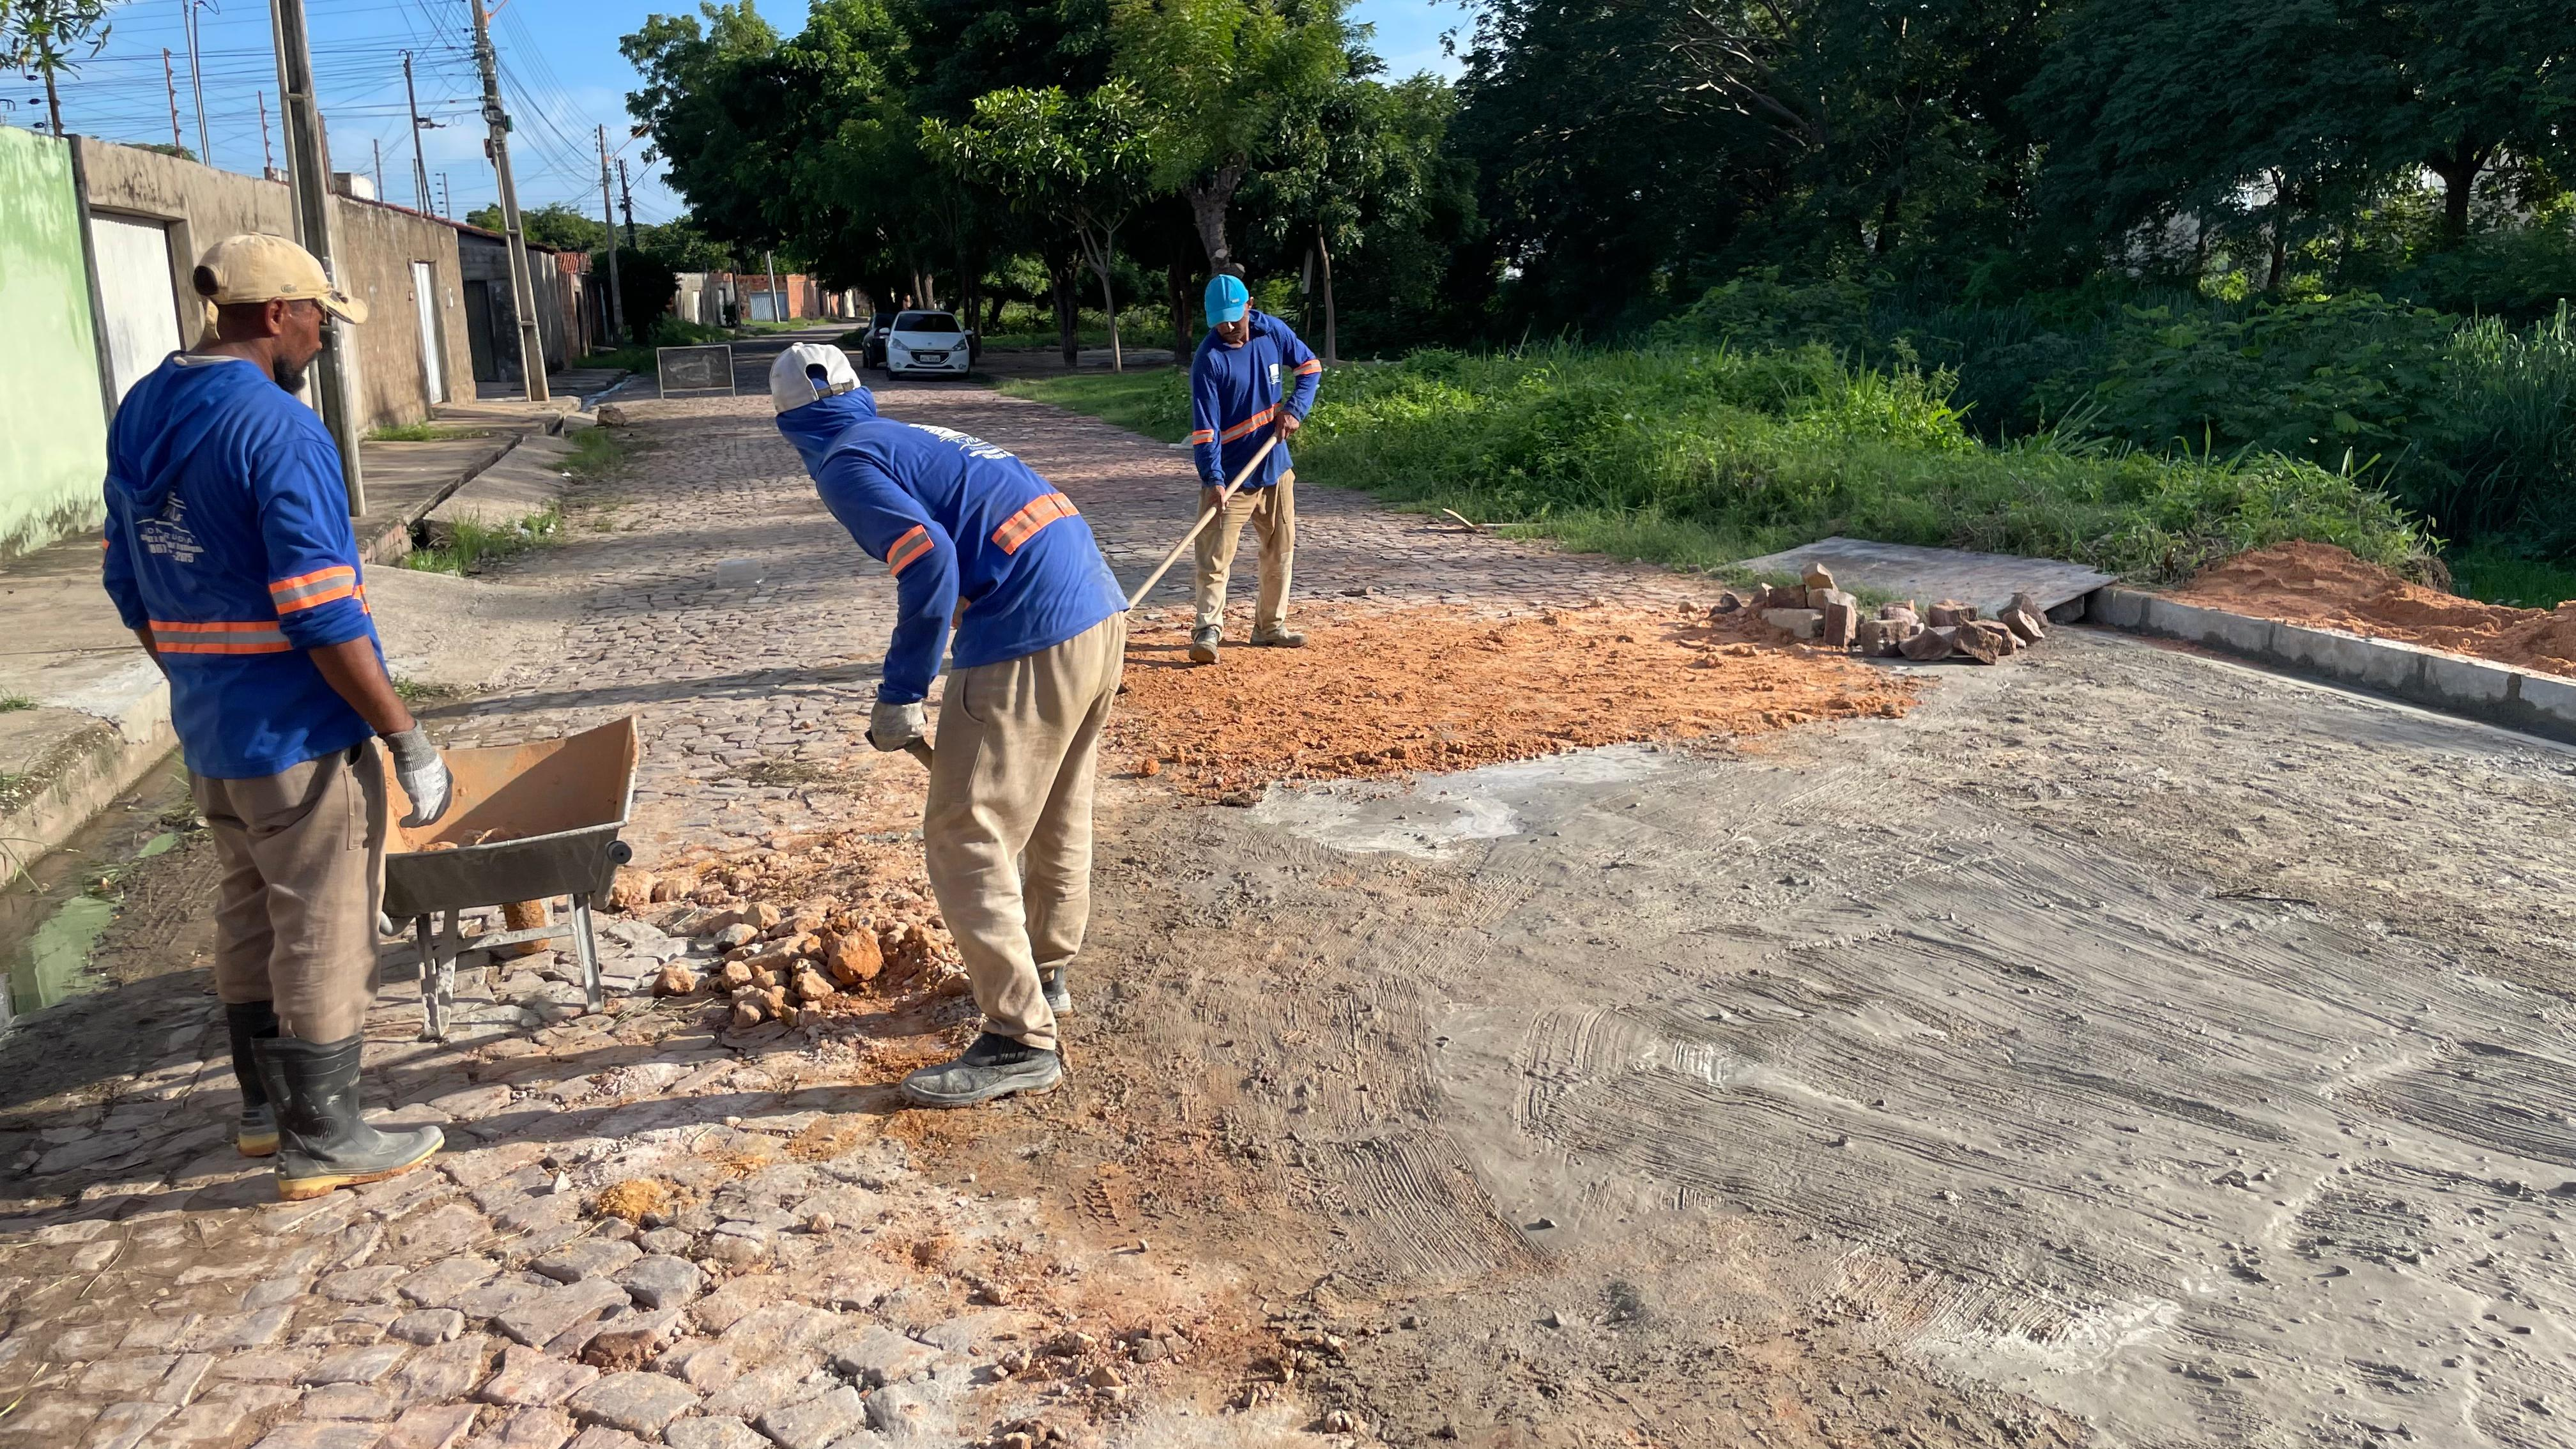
(974, 446)
(168, 535)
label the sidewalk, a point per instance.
(83, 714)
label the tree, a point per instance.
(1221, 76)
(552, 225)
(1080, 162)
(44, 37)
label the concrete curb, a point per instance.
(2497, 694)
(390, 541)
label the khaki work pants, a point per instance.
(303, 857)
(1007, 833)
(1273, 514)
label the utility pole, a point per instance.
(608, 214)
(379, 148)
(532, 345)
(168, 83)
(419, 162)
(308, 166)
(446, 198)
(769, 259)
(197, 84)
(627, 199)
(267, 158)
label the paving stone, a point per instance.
(161, 1331)
(123, 1426)
(362, 1365)
(640, 1403)
(552, 1210)
(321, 1436)
(180, 1384)
(912, 1414)
(266, 1365)
(764, 1388)
(716, 1433)
(427, 1325)
(553, 1310)
(706, 1367)
(209, 1422)
(588, 1258)
(442, 1283)
(474, 1103)
(497, 1297)
(429, 1427)
(600, 1436)
(443, 1230)
(528, 1377)
(629, 1339)
(42, 1423)
(662, 1281)
(361, 1285)
(720, 1310)
(533, 1428)
(879, 1355)
(444, 1371)
(817, 1423)
(126, 1377)
(373, 1403)
(780, 1327)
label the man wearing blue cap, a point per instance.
(1250, 376)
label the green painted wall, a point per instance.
(53, 423)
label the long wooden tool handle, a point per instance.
(1205, 515)
(920, 750)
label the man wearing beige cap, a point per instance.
(230, 556)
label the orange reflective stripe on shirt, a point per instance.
(313, 590)
(1203, 435)
(252, 636)
(1309, 367)
(1022, 526)
(1247, 425)
(908, 548)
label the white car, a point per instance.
(928, 344)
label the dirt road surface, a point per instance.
(2123, 1047)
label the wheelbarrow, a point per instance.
(526, 822)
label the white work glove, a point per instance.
(893, 726)
(422, 774)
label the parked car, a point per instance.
(872, 348)
(928, 344)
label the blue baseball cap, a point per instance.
(1227, 301)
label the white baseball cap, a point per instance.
(807, 371)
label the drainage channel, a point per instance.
(53, 911)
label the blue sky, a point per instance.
(562, 76)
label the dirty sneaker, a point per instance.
(995, 1066)
(1059, 997)
(1278, 636)
(1203, 644)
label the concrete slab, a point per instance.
(528, 481)
(1987, 580)
(2480, 689)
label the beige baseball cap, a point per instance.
(256, 268)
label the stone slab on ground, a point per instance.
(1987, 580)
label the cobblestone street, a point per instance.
(779, 1267)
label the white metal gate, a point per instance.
(135, 292)
(424, 296)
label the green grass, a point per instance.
(1699, 456)
(422, 433)
(597, 452)
(2501, 577)
(12, 703)
(465, 547)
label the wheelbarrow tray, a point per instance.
(558, 804)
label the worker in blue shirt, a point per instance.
(972, 533)
(230, 556)
(1251, 377)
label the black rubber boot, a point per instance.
(1203, 642)
(1059, 996)
(322, 1143)
(256, 1134)
(995, 1066)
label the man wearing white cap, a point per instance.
(973, 533)
(230, 556)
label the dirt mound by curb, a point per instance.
(1378, 695)
(2325, 587)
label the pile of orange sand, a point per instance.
(1376, 695)
(2322, 586)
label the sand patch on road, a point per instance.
(2319, 585)
(1384, 695)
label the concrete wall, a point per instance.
(53, 414)
(484, 262)
(378, 244)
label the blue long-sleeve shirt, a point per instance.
(955, 518)
(228, 536)
(1237, 392)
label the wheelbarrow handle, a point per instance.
(920, 750)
